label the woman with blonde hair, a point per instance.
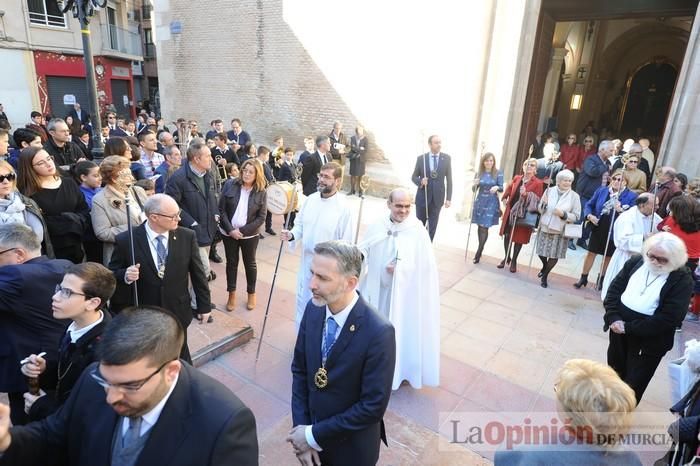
(646, 302)
(242, 208)
(595, 408)
(109, 205)
(18, 208)
(598, 211)
(486, 211)
(518, 188)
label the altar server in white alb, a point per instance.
(325, 216)
(402, 283)
(632, 227)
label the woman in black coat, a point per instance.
(645, 304)
(240, 225)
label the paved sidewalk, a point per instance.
(503, 339)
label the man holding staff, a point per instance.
(324, 216)
(433, 176)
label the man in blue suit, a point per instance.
(27, 283)
(433, 172)
(591, 178)
(342, 368)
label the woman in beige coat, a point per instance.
(109, 206)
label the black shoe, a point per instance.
(212, 276)
(581, 243)
(361, 195)
(513, 267)
(572, 246)
(351, 192)
(210, 320)
(261, 236)
(215, 257)
(583, 281)
(270, 232)
(543, 281)
(599, 283)
(501, 264)
(540, 274)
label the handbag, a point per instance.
(530, 220)
(572, 230)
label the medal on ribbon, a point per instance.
(321, 377)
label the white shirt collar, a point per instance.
(342, 316)
(151, 235)
(76, 334)
(150, 418)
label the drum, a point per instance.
(279, 198)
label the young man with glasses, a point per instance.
(27, 282)
(81, 297)
(139, 405)
(167, 257)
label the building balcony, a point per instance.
(120, 40)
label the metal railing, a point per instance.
(121, 40)
(149, 50)
(47, 20)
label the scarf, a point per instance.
(12, 209)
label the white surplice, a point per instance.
(319, 220)
(628, 235)
(409, 298)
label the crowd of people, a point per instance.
(140, 228)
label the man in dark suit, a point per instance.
(312, 165)
(114, 129)
(139, 405)
(79, 115)
(166, 256)
(27, 283)
(433, 172)
(342, 368)
(339, 143)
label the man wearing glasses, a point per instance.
(81, 297)
(27, 282)
(60, 147)
(139, 405)
(166, 257)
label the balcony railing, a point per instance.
(121, 40)
(149, 50)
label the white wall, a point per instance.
(17, 92)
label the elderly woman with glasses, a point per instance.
(636, 167)
(60, 200)
(109, 205)
(559, 205)
(598, 211)
(18, 208)
(594, 407)
(645, 304)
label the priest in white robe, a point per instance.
(325, 216)
(401, 281)
(632, 227)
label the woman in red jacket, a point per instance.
(684, 222)
(519, 186)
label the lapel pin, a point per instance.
(352, 328)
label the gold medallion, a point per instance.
(321, 377)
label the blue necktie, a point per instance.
(160, 252)
(133, 432)
(435, 162)
(331, 328)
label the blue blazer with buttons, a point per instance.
(347, 414)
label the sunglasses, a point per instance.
(633, 161)
(659, 260)
(617, 178)
(9, 177)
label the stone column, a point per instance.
(682, 135)
(551, 86)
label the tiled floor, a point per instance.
(503, 339)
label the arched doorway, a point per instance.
(647, 101)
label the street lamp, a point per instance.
(83, 10)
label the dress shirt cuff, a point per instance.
(310, 438)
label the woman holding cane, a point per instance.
(559, 205)
(518, 187)
(486, 209)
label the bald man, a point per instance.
(166, 257)
(402, 283)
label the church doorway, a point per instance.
(611, 65)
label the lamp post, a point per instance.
(83, 10)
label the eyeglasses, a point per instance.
(7, 250)
(633, 161)
(655, 258)
(9, 177)
(44, 163)
(617, 178)
(171, 217)
(126, 386)
(66, 293)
